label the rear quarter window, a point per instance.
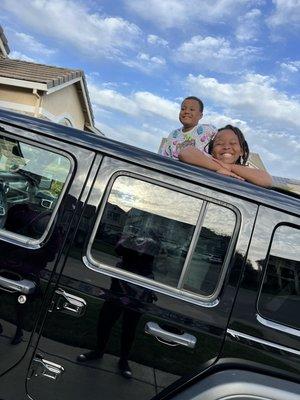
(279, 297)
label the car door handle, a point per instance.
(23, 286)
(69, 304)
(170, 338)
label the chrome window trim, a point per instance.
(265, 321)
(197, 230)
(96, 265)
(149, 284)
(278, 327)
(239, 335)
(25, 241)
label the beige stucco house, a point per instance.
(43, 91)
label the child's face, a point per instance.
(190, 113)
(226, 147)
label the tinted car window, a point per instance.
(208, 257)
(153, 231)
(31, 180)
(280, 293)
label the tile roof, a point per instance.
(47, 75)
(29, 71)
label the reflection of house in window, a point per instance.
(112, 223)
(279, 298)
(213, 242)
(285, 273)
(176, 235)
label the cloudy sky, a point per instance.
(142, 57)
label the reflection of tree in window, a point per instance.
(147, 210)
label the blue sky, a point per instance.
(142, 57)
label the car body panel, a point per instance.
(171, 332)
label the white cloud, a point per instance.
(214, 54)
(287, 12)
(20, 56)
(156, 40)
(111, 99)
(157, 105)
(174, 13)
(132, 135)
(167, 13)
(254, 97)
(32, 45)
(154, 60)
(74, 24)
(291, 66)
(135, 104)
(248, 25)
(145, 63)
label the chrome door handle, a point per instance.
(69, 304)
(173, 339)
(45, 368)
(23, 286)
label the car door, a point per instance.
(265, 325)
(157, 301)
(41, 180)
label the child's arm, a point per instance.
(253, 175)
(193, 156)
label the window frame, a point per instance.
(266, 321)
(23, 240)
(101, 267)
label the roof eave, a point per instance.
(23, 83)
(87, 103)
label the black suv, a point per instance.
(125, 275)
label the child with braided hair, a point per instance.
(228, 153)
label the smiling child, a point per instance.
(229, 153)
(190, 134)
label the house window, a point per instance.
(31, 182)
(164, 236)
(280, 293)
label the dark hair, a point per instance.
(243, 143)
(201, 105)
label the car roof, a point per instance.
(287, 202)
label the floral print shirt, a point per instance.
(199, 136)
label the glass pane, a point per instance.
(206, 264)
(31, 180)
(280, 295)
(146, 229)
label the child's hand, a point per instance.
(223, 165)
(224, 171)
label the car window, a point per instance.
(205, 266)
(31, 181)
(280, 292)
(160, 234)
